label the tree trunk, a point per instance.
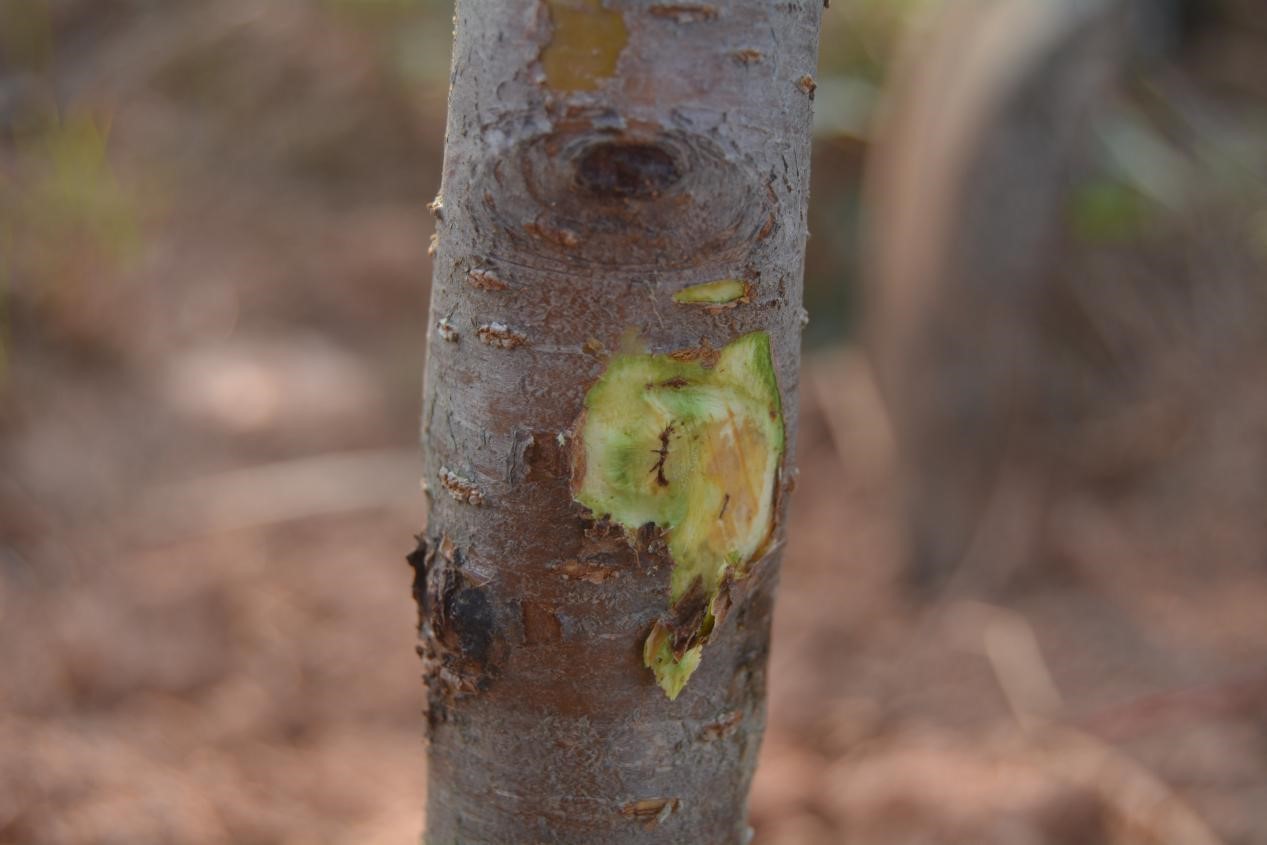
(609, 413)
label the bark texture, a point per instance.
(600, 158)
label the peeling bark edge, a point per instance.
(596, 204)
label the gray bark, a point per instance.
(572, 209)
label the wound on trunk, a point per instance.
(694, 447)
(586, 45)
(720, 292)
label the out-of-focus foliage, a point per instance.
(860, 41)
(66, 219)
(26, 34)
(415, 33)
(71, 202)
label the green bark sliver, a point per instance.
(720, 292)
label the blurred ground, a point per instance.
(212, 307)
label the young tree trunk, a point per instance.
(609, 413)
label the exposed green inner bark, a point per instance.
(721, 292)
(696, 451)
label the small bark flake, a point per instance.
(684, 12)
(706, 354)
(790, 479)
(461, 489)
(565, 238)
(651, 811)
(595, 347)
(447, 330)
(722, 726)
(767, 229)
(501, 336)
(481, 278)
(592, 573)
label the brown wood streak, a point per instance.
(570, 218)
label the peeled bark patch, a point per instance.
(587, 42)
(696, 451)
(722, 292)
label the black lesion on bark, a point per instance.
(457, 626)
(471, 621)
(627, 170)
(419, 560)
